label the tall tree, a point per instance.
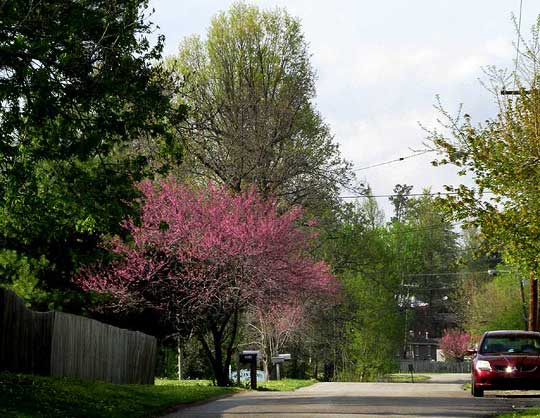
(276, 326)
(424, 248)
(250, 86)
(399, 201)
(495, 304)
(201, 258)
(359, 248)
(501, 157)
(78, 85)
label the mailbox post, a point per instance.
(238, 369)
(277, 361)
(411, 371)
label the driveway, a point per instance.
(443, 396)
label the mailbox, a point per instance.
(248, 356)
(279, 360)
(251, 357)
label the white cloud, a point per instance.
(380, 65)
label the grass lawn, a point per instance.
(529, 413)
(285, 384)
(25, 396)
(403, 378)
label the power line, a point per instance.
(459, 273)
(394, 161)
(393, 195)
(411, 194)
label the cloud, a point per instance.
(380, 65)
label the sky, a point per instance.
(381, 64)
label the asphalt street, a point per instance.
(443, 396)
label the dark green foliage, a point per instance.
(79, 93)
(194, 363)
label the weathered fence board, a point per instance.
(25, 336)
(426, 366)
(60, 344)
(89, 349)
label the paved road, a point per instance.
(443, 396)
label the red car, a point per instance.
(506, 360)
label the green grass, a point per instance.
(528, 413)
(25, 396)
(404, 378)
(285, 384)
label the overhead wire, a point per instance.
(417, 154)
(411, 194)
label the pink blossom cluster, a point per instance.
(454, 344)
(196, 251)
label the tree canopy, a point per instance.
(201, 258)
(78, 85)
(501, 157)
(252, 121)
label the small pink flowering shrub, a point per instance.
(454, 344)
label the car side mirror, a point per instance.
(471, 352)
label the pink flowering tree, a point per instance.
(201, 258)
(274, 326)
(454, 344)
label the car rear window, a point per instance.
(511, 344)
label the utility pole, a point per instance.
(523, 304)
(533, 303)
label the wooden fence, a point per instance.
(25, 336)
(426, 366)
(60, 344)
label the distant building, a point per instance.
(421, 348)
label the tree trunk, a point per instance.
(179, 358)
(220, 362)
(266, 369)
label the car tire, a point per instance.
(475, 391)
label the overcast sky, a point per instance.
(380, 65)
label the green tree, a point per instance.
(369, 323)
(78, 85)
(375, 326)
(250, 87)
(399, 201)
(425, 245)
(495, 305)
(501, 157)
(386, 271)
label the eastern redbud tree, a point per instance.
(201, 257)
(454, 344)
